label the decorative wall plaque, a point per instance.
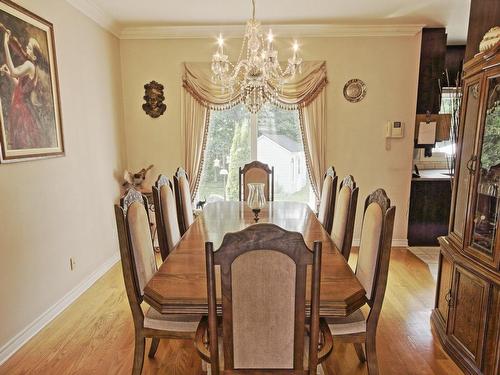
(154, 98)
(354, 90)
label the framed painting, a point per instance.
(30, 118)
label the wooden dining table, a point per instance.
(180, 287)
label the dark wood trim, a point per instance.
(159, 216)
(256, 164)
(179, 202)
(431, 69)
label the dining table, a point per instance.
(180, 287)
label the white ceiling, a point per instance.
(452, 14)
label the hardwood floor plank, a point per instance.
(95, 334)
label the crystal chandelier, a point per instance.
(257, 77)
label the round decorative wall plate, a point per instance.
(354, 90)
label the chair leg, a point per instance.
(360, 352)
(371, 355)
(140, 345)
(154, 347)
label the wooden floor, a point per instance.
(95, 334)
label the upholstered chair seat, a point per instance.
(352, 324)
(170, 322)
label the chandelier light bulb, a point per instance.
(220, 40)
(270, 36)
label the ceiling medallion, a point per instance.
(257, 76)
(354, 90)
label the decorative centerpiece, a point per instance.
(256, 199)
(490, 39)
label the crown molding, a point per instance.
(301, 30)
(97, 14)
(106, 21)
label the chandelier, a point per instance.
(257, 75)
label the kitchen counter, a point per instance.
(432, 175)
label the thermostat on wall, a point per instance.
(395, 129)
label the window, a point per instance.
(272, 136)
(442, 152)
(450, 103)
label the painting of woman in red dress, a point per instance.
(23, 126)
(30, 126)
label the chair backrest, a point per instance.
(136, 248)
(263, 283)
(375, 250)
(256, 172)
(167, 224)
(345, 214)
(327, 201)
(183, 200)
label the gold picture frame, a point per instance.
(30, 114)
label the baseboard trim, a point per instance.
(14, 344)
(402, 242)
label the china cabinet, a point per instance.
(466, 316)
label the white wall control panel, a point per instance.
(395, 129)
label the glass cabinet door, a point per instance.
(486, 207)
(471, 103)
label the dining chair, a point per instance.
(345, 214)
(371, 271)
(327, 200)
(183, 200)
(256, 172)
(263, 283)
(138, 266)
(167, 225)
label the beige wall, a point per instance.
(56, 208)
(355, 137)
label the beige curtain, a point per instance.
(305, 93)
(313, 128)
(196, 119)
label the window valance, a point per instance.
(299, 92)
